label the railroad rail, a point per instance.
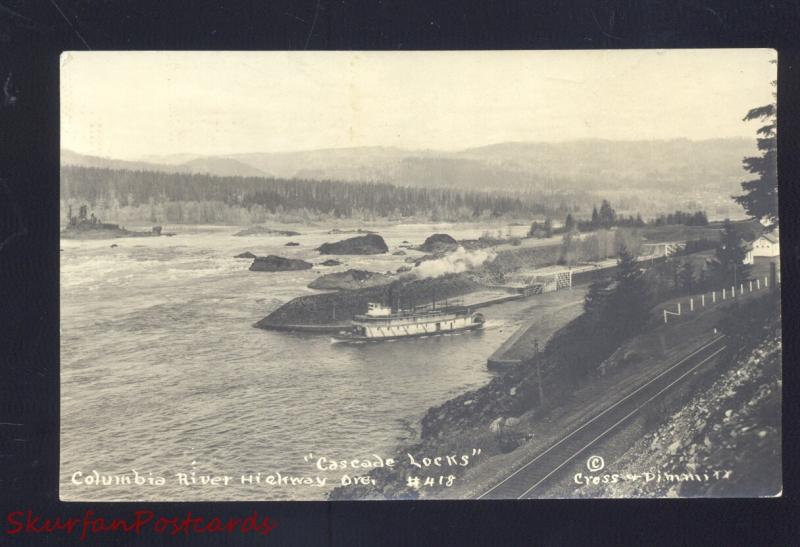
(530, 477)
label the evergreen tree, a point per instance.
(686, 276)
(700, 219)
(730, 255)
(628, 306)
(673, 270)
(595, 218)
(569, 223)
(702, 280)
(607, 214)
(760, 198)
(548, 227)
(594, 301)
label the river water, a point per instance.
(163, 373)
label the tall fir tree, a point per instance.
(760, 198)
(607, 215)
(594, 302)
(730, 254)
(569, 223)
(686, 276)
(628, 307)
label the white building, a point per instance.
(767, 246)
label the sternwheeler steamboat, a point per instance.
(383, 323)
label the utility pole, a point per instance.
(538, 371)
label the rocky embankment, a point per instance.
(350, 280)
(274, 263)
(726, 441)
(369, 244)
(338, 307)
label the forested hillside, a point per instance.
(128, 195)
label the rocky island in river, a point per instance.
(439, 243)
(273, 263)
(370, 244)
(90, 227)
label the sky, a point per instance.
(132, 105)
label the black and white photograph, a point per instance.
(419, 275)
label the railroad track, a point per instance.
(526, 481)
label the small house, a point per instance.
(766, 246)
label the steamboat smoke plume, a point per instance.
(458, 261)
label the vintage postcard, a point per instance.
(419, 275)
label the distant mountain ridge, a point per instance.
(596, 165)
(220, 166)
